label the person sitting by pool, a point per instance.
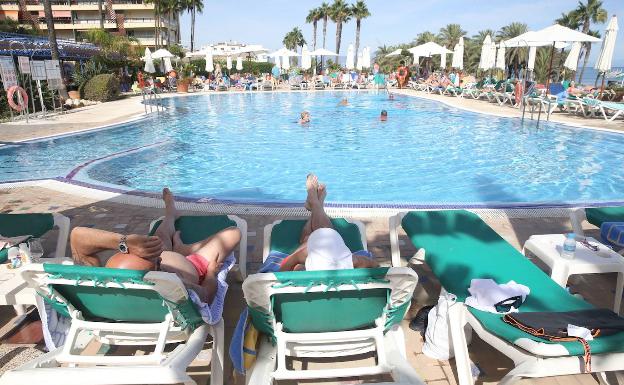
(304, 118)
(197, 264)
(343, 102)
(322, 247)
(573, 91)
(384, 115)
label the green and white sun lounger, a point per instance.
(12, 225)
(118, 307)
(194, 228)
(459, 246)
(596, 216)
(330, 314)
(284, 235)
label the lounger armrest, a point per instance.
(394, 224)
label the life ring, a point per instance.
(22, 103)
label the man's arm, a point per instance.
(87, 242)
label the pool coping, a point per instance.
(86, 182)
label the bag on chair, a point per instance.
(437, 337)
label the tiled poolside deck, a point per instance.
(118, 217)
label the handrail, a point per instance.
(149, 95)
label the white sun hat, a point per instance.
(327, 251)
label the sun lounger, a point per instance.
(119, 307)
(194, 228)
(36, 225)
(458, 246)
(616, 109)
(328, 314)
(596, 216)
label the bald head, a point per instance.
(130, 261)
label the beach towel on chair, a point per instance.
(55, 325)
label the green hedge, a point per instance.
(253, 67)
(102, 88)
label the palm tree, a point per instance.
(359, 12)
(424, 37)
(513, 55)
(340, 12)
(47, 8)
(294, 39)
(193, 6)
(449, 35)
(101, 12)
(571, 21)
(592, 12)
(157, 9)
(313, 17)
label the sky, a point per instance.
(391, 22)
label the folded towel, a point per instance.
(211, 313)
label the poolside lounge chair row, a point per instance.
(290, 308)
(502, 93)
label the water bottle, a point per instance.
(569, 247)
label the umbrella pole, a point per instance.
(552, 55)
(602, 85)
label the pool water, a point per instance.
(249, 147)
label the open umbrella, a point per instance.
(458, 55)
(239, 63)
(322, 52)
(429, 49)
(228, 62)
(608, 46)
(571, 61)
(161, 54)
(396, 52)
(283, 52)
(350, 63)
(149, 63)
(286, 62)
(209, 61)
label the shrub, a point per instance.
(102, 88)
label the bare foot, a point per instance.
(167, 197)
(322, 193)
(312, 187)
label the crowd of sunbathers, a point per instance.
(197, 264)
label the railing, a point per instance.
(153, 99)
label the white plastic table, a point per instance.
(548, 249)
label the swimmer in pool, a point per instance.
(384, 115)
(304, 118)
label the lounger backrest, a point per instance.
(460, 246)
(327, 301)
(285, 235)
(12, 225)
(196, 228)
(597, 215)
(115, 295)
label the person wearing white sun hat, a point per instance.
(322, 247)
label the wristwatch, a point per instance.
(123, 246)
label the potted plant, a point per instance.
(186, 78)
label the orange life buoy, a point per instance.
(21, 104)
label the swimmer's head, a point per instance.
(384, 115)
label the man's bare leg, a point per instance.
(316, 194)
(166, 230)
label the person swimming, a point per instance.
(384, 115)
(390, 96)
(344, 102)
(305, 117)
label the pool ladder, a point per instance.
(151, 98)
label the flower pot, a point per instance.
(183, 87)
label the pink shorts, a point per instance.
(200, 264)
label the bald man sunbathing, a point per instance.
(197, 264)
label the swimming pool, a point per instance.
(249, 147)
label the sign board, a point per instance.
(24, 64)
(53, 69)
(55, 84)
(38, 70)
(7, 72)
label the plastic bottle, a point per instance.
(14, 258)
(25, 253)
(569, 246)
